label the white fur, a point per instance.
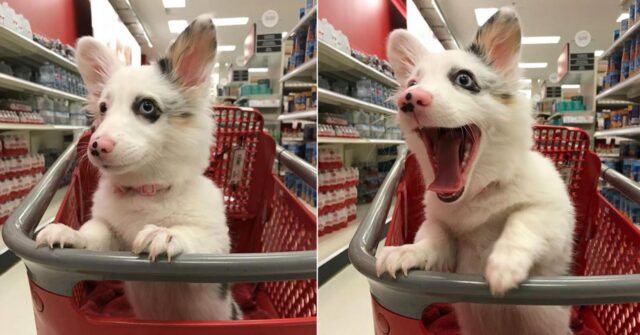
(515, 218)
(189, 216)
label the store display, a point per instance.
(54, 76)
(338, 193)
(628, 116)
(304, 47)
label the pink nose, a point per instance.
(414, 100)
(102, 145)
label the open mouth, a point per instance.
(452, 152)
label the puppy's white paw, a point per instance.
(57, 234)
(411, 256)
(505, 271)
(156, 241)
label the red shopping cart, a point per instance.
(604, 288)
(77, 292)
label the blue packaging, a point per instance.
(627, 165)
(632, 15)
(624, 26)
(616, 34)
(635, 171)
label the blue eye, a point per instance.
(146, 107)
(465, 80)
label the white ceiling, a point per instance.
(562, 18)
(154, 18)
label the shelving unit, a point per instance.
(19, 85)
(305, 71)
(332, 98)
(260, 100)
(339, 62)
(627, 90)
(304, 115)
(297, 82)
(19, 49)
(16, 46)
(630, 132)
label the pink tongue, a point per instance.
(448, 177)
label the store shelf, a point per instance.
(608, 155)
(625, 90)
(305, 115)
(306, 71)
(619, 43)
(613, 103)
(630, 132)
(357, 140)
(17, 84)
(260, 100)
(19, 47)
(303, 23)
(333, 98)
(336, 61)
(24, 126)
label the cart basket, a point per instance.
(605, 284)
(273, 264)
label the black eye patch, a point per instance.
(147, 108)
(464, 79)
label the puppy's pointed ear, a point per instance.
(96, 64)
(404, 51)
(190, 58)
(498, 42)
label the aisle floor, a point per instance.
(16, 312)
(344, 304)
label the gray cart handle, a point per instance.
(59, 269)
(402, 294)
(297, 165)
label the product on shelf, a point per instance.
(338, 192)
(54, 76)
(304, 46)
(301, 101)
(628, 207)
(358, 123)
(300, 189)
(628, 116)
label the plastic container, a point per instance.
(606, 247)
(273, 242)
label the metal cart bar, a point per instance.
(409, 295)
(298, 166)
(57, 270)
(620, 182)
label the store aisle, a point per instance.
(15, 302)
(345, 302)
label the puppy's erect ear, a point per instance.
(404, 51)
(190, 58)
(498, 42)
(96, 64)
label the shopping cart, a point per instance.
(274, 242)
(604, 288)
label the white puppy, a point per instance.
(493, 205)
(151, 145)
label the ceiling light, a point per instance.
(532, 65)
(284, 34)
(483, 14)
(173, 3)
(525, 80)
(223, 48)
(623, 16)
(177, 26)
(540, 39)
(258, 70)
(570, 86)
(216, 65)
(598, 53)
(230, 21)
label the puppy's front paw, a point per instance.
(156, 241)
(411, 256)
(505, 271)
(57, 234)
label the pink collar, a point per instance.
(147, 190)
